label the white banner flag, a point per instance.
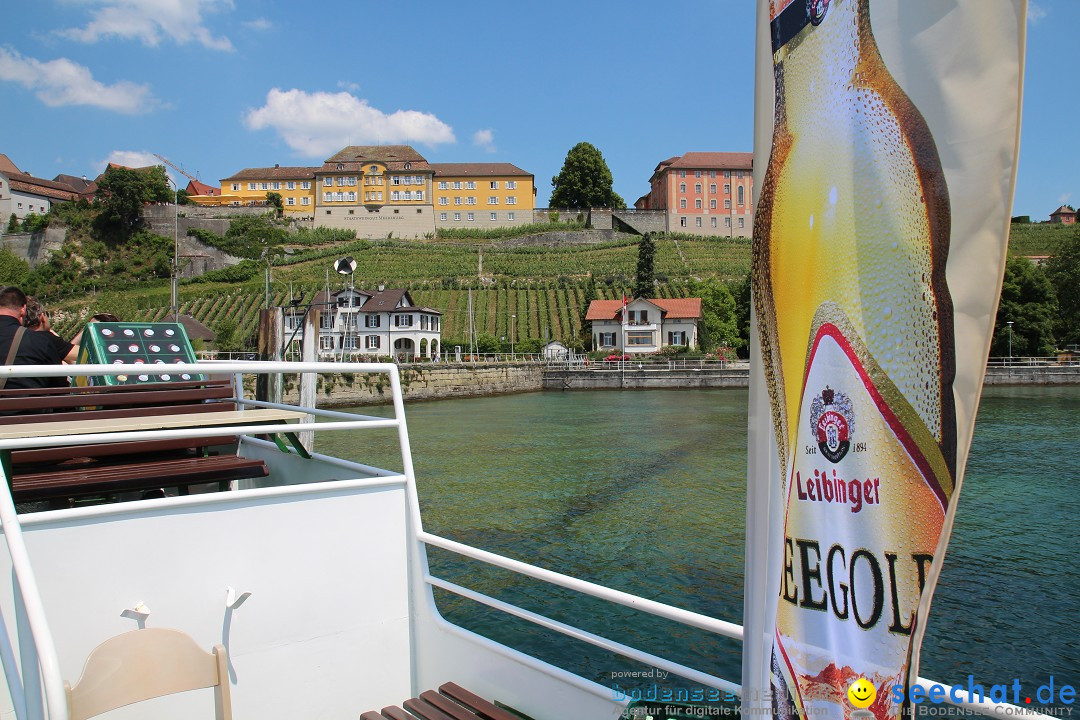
(887, 137)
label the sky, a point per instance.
(216, 86)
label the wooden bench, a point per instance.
(64, 472)
(28, 405)
(452, 702)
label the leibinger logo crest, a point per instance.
(832, 421)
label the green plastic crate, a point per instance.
(160, 343)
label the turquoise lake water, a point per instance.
(645, 492)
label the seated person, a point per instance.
(34, 348)
(37, 318)
(100, 317)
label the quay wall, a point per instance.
(1033, 375)
(434, 382)
(422, 382)
(646, 378)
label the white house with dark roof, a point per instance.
(384, 322)
(22, 194)
(650, 324)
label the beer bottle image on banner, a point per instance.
(855, 326)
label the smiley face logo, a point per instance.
(862, 693)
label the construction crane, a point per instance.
(180, 170)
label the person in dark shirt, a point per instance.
(35, 348)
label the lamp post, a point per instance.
(513, 318)
(347, 266)
(266, 290)
(176, 251)
(1010, 324)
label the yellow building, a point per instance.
(482, 195)
(376, 190)
(295, 185)
(388, 190)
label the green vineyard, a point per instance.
(530, 292)
(551, 312)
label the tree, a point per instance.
(646, 257)
(487, 344)
(155, 185)
(120, 195)
(585, 332)
(33, 222)
(273, 199)
(1063, 271)
(226, 336)
(742, 314)
(13, 224)
(584, 181)
(13, 269)
(719, 327)
(1027, 300)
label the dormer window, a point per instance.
(408, 166)
(341, 166)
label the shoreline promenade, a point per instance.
(437, 381)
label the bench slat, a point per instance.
(447, 706)
(145, 448)
(111, 389)
(396, 713)
(485, 709)
(156, 397)
(452, 702)
(118, 413)
(425, 710)
(208, 418)
(138, 476)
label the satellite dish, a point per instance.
(345, 266)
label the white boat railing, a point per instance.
(652, 607)
(955, 695)
(25, 688)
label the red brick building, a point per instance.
(704, 193)
(1064, 215)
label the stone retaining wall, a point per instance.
(434, 382)
(34, 248)
(425, 382)
(642, 221)
(1033, 375)
(645, 379)
(553, 238)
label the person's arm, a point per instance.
(73, 355)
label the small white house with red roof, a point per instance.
(644, 325)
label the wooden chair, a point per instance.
(144, 664)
